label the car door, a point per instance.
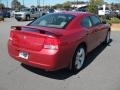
(96, 27)
(99, 29)
(33, 13)
(90, 33)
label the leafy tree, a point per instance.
(58, 6)
(67, 5)
(93, 5)
(1, 10)
(115, 6)
(2, 6)
(16, 5)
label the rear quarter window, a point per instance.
(95, 20)
(86, 22)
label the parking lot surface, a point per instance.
(101, 71)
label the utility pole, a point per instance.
(77, 2)
(23, 3)
(0, 1)
(7, 3)
(38, 2)
(43, 4)
(74, 3)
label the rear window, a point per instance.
(53, 20)
(96, 20)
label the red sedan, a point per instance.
(59, 40)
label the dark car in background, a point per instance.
(6, 14)
(51, 10)
(111, 14)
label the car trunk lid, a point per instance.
(31, 38)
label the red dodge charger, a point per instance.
(59, 40)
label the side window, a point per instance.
(86, 22)
(95, 20)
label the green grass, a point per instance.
(114, 20)
(111, 21)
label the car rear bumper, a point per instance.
(44, 59)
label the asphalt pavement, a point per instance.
(101, 71)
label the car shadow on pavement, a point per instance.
(64, 73)
(92, 55)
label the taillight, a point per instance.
(51, 43)
(16, 27)
(13, 28)
(11, 35)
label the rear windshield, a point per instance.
(53, 20)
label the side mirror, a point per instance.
(104, 22)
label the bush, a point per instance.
(113, 20)
(92, 9)
(1, 18)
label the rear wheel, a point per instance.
(78, 59)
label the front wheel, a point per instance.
(43, 14)
(28, 18)
(18, 19)
(78, 59)
(107, 40)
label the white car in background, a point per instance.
(28, 14)
(104, 10)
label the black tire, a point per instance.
(43, 14)
(107, 39)
(18, 19)
(27, 18)
(76, 62)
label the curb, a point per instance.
(115, 29)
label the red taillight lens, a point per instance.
(51, 43)
(16, 27)
(13, 28)
(11, 35)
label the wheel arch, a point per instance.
(27, 15)
(83, 44)
(109, 29)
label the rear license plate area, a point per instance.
(23, 55)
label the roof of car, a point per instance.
(75, 13)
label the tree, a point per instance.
(67, 5)
(2, 6)
(1, 10)
(115, 6)
(93, 5)
(60, 6)
(15, 4)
